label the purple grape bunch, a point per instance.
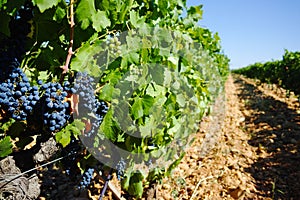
(17, 96)
(89, 107)
(55, 107)
(87, 178)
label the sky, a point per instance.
(253, 30)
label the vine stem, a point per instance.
(65, 68)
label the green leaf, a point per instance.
(5, 146)
(5, 126)
(121, 138)
(85, 59)
(163, 6)
(149, 127)
(163, 35)
(45, 4)
(147, 102)
(63, 137)
(80, 126)
(174, 165)
(137, 108)
(157, 74)
(84, 12)
(135, 19)
(43, 75)
(100, 21)
(195, 12)
(107, 92)
(107, 126)
(132, 57)
(60, 13)
(126, 181)
(2, 3)
(136, 185)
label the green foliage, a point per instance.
(64, 135)
(159, 77)
(285, 72)
(5, 146)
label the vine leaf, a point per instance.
(136, 184)
(45, 4)
(137, 108)
(100, 21)
(107, 92)
(84, 12)
(64, 136)
(60, 13)
(135, 19)
(107, 126)
(195, 12)
(148, 102)
(5, 146)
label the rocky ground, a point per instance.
(248, 148)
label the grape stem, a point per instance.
(65, 67)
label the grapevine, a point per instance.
(130, 83)
(283, 72)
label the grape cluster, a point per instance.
(120, 167)
(56, 112)
(114, 45)
(17, 96)
(101, 110)
(89, 108)
(87, 178)
(83, 87)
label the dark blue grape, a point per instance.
(55, 108)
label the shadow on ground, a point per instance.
(275, 130)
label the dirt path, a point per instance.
(257, 155)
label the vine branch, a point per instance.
(65, 67)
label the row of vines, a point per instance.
(129, 81)
(284, 72)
